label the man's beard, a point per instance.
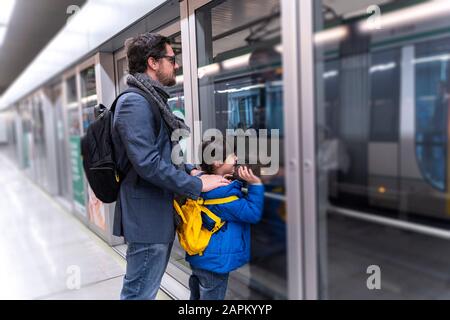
(167, 81)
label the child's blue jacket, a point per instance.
(229, 248)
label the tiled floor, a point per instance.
(45, 250)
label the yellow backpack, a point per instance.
(193, 237)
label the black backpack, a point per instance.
(97, 150)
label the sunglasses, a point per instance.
(172, 59)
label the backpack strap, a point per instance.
(218, 222)
(201, 203)
(179, 211)
(153, 105)
(149, 99)
(212, 202)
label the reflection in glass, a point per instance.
(176, 100)
(432, 92)
(382, 136)
(240, 87)
(122, 72)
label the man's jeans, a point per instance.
(207, 285)
(146, 264)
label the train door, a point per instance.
(236, 86)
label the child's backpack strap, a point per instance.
(179, 211)
(212, 202)
(218, 222)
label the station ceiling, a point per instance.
(33, 24)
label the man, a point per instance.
(144, 211)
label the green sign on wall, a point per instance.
(77, 174)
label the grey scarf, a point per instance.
(155, 90)
(152, 87)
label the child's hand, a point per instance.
(247, 175)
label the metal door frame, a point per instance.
(299, 34)
(300, 158)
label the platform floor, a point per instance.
(44, 247)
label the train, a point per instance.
(391, 136)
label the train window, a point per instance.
(384, 73)
(432, 66)
(240, 87)
(381, 101)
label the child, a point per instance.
(229, 248)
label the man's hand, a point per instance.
(211, 182)
(196, 172)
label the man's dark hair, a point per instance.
(142, 47)
(220, 148)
